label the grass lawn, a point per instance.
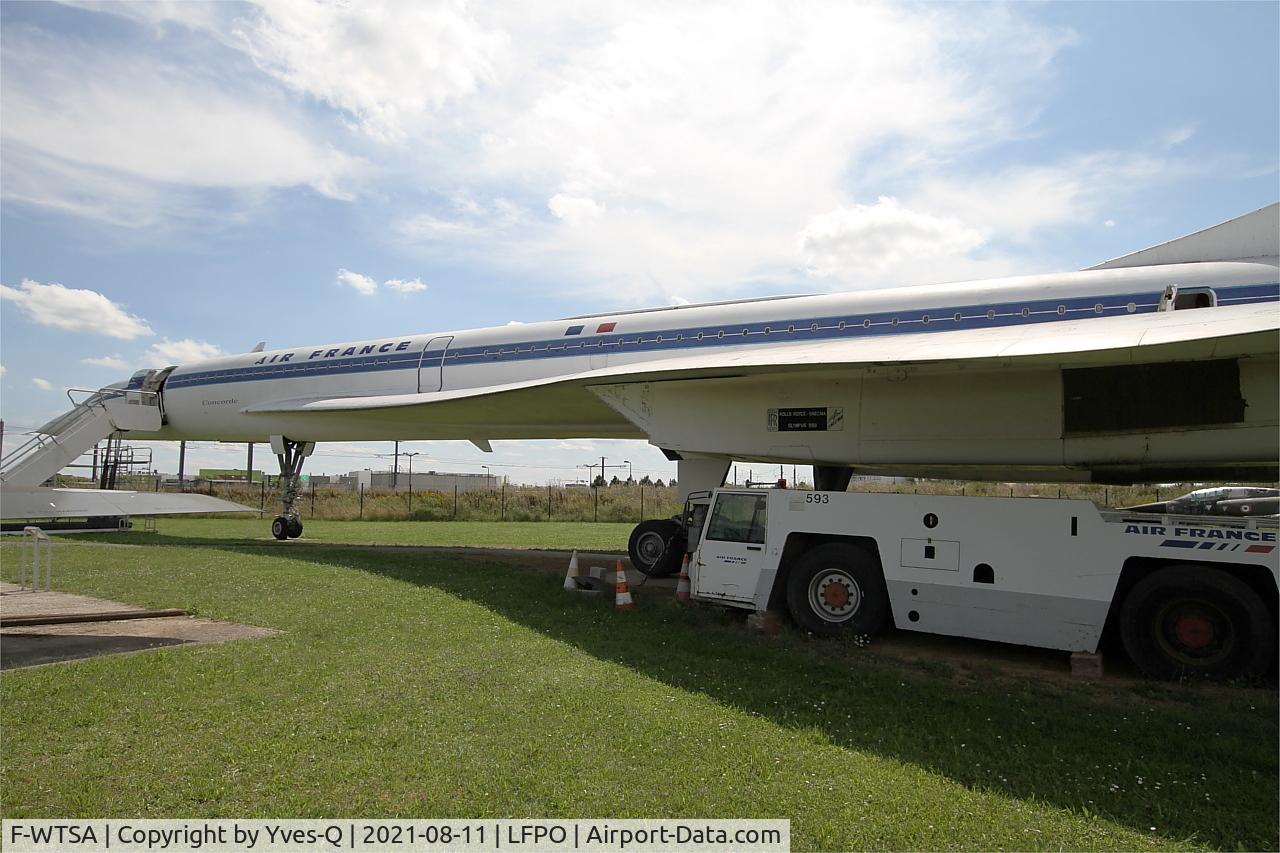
(408, 684)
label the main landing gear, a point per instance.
(657, 546)
(291, 454)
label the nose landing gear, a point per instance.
(290, 454)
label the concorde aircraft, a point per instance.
(1160, 365)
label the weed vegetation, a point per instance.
(617, 503)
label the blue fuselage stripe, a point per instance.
(787, 330)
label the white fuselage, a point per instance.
(208, 399)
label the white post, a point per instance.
(35, 535)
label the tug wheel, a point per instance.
(280, 527)
(1198, 622)
(837, 589)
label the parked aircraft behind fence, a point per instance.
(1160, 365)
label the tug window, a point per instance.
(738, 518)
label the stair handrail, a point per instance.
(47, 434)
(31, 445)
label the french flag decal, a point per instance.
(605, 327)
(573, 330)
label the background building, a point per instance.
(423, 481)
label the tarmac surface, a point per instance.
(45, 636)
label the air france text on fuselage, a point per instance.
(338, 352)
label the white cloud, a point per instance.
(878, 236)
(361, 284)
(3, 370)
(42, 384)
(1019, 201)
(1110, 223)
(366, 286)
(131, 139)
(574, 210)
(74, 309)
(392, 66)
(426, 228)
(114, 362)
(1174, 137)
(412, 285)
(466, 220)
(640, 150)
(688, 145)
(180, 352)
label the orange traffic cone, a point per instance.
(682, 586)
(571, 577)
(622, 592)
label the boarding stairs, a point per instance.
(60, 442)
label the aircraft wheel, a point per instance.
(655, 547)
(838, 589)
(1198, 622)
(295, 528)
(280, 527)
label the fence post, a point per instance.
(362, 501)
(548, 501)
(262, 498)
(455, 501)
(313, 498)
(596, 489)
(642, 503)
(502, 509)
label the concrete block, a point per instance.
(1086, 665)
(769, 622)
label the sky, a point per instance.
(180, 180)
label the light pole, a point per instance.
(630, 476)
(409, 456)
(595, 490)
(488, 481)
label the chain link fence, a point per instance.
(617, 503)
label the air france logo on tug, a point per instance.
(338, 352)
(1208, 538)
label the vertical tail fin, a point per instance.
(1254, 236)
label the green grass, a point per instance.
(411, 684)
(554, 535)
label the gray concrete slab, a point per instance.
(43, 644)
(35, 645)
(26, 603)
